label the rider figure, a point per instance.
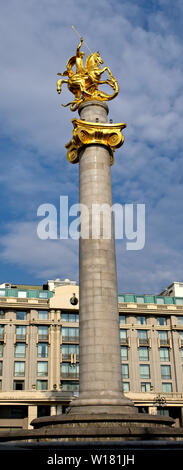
(79, 59)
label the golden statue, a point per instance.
(84, 81)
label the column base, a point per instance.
(104, 427)
(100, 405)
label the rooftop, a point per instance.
(150, 299)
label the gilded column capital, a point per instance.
(87, 133)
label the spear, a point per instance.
(79, 35)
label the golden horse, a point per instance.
(85, 81)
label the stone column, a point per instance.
(59, 409)
(100, 361)
(181, 416)
(32, 414)
(152, 410)
(53, 410)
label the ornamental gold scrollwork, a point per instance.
(83, 80)
(86, 133)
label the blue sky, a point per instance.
(141, 41)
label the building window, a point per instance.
(19, 369)
(163, 337)
(43, 314)
(69, 386)
(43, 332)
(1, 331)
(13, 412)
(123, 336)
(124, 353)
(145, 386)
(165, 372)
(167, 387)
(142, 336)
(181, 351)
(69, 349)
(164, 354)
(163, 412)
(43, 410)
(122, 319)
(125, 371)
(181, 337)
(18, 385)
(180, 320)
(141, 320)
(179, 301)
(140, 300)
(20, 349)
(1, 349)
(1, 368)
(126, 387)
(42, 385)
(143, 353)
(22, 294)
(21, 315)
(70, 334)
(159, 300)
(42, 349)
(70, 316)
(69, 370)
(0, 384)
(144, 371)
(42, 369)
(43, 295)
(20, 332)
(161, 321)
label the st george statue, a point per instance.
(83, 81)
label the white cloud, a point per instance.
(140, 42)
(44, 259)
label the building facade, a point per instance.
(39, 351)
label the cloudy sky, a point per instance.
(141, 41)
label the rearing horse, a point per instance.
(84, 85)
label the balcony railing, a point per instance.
(42, 337)
(42, 373)
(20, 337)
(150, 299)
(17, 354)
(164, 342)
(70, 375)
(67, 357)
(23, 294)
(70, 339)
(143, 341)
(19, 373)
(124, 341)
